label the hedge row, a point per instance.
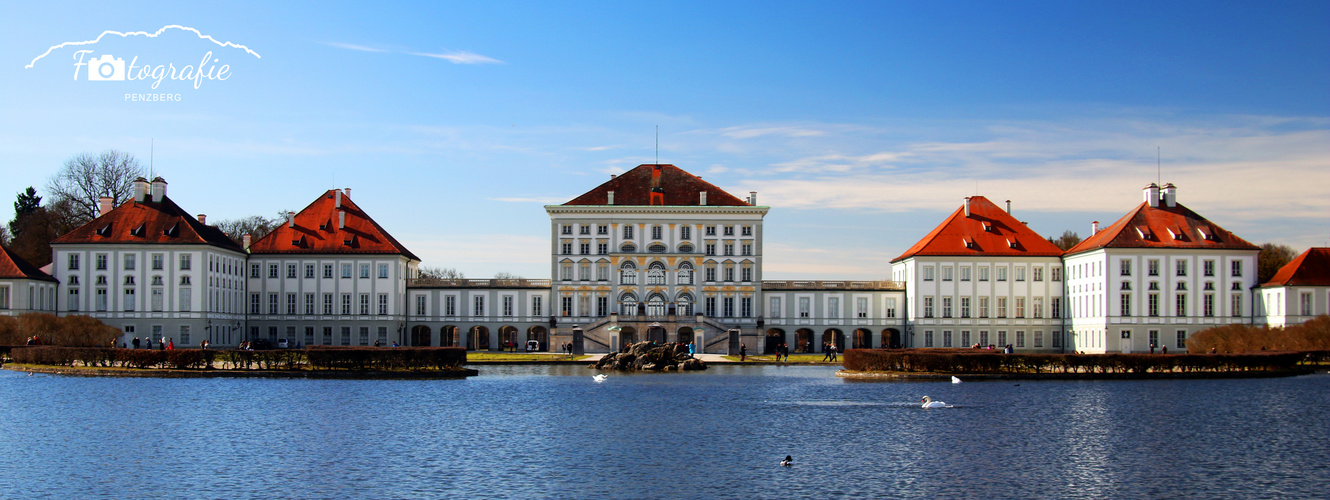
(900, 360)
(320, 357)
(386, 359)
(1314, 335)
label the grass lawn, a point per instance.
(517, 356)
(794, 358)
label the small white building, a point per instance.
(805, 315)
(1154, 277)
(23, 287)
(1299, 292)
(479, 314)
(154, 271)
(982, 277)
(329, 275)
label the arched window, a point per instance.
(628, 273)
(684, 305)
(685, 273)
(656, 273)
(656, 305)
(628, 304)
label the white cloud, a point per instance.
(351, 46)
(460, 57)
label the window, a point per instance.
(1055, 307)
(965, 273)
(728, 306)
(584, 270)
(627, 232)
(711, 249)
(946, 338)
(656, 232)
(602, 248)
(346, 335)
(1237, 268)
(747, 248)
(364, 335)
(254, 303)
(566, 229)
(290, 270)
(928, 307)
(928, 273)
(1054, 274)
(946, 307)
(309, 304)
(364, 270)
(584, 229)
(833, 307)
(711, 272)
(1001, 307)
(804, 304)
(1124, 267)
(272, 303)
(535, 307)
(566, 271)
(129, 299)
(1208, 268)
(1154, 338)
(1020, 275)
(1154, 305)
(685, 232)
(1181, 305)
(747, 274)
(327, 304)
(383, 270)
(747, 231)
(1305, 304)
(567, 306)
(1038, 339)
(928, 338)
(327, 270)
(983, 337)
(185, 301)
(602, 229)
(1002, 273)
(309, 270)
(101, 262)
(272, 270)
(965, 338)
(1002, 337)
(1020, 309)
(346, 270)
(746, 307)
(1181, 266)
(983, 307)
(73, 298)
(290, 303)
(710, 230)
(1208, 305)
(1236, 305)
(364, 304)
(891, 308)
(346, 304)
(1036, 307)
(129, 262)
(983, 274)
(383, 304)
(1126, 334)
(1152, 267)
(709, 306)
(479, 303)
(566, 248)
(309, 335)
(584, 248)
(729, 230)
(861, 307)
(101, 300)
(420, 305)
(946, 273)
(73, 262)
(1037, 274)
(729, 271)
(1056, 335)
(729, 248)
(450, 305)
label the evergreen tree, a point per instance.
(27, 204)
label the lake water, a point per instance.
(551, 432)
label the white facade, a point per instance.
(354, 299)
(21, 296)
(479, 314)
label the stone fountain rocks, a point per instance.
(649, 356)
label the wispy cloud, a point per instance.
(352, 46)
(460, 57)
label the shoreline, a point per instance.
(98, 371)
(933, 377)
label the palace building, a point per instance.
(659, 254)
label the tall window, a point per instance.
(804, 305)
(1237, 268)
(983, 307)
(627, 232)
(1152, 267)
(1181, 306)
(946, 307)
(536, 306)
(309, 270)
(1125, 267)
(327, 304)
(891, 308)
(1020, 309)
(1037, 273)
(346, 304)
(383, 304)
(1037, 307)
(364, 304)
(983, 274)
(1020, 275)
(479, 305)
(507, 305)
(129, 262)
(928, 307)
(685, 232)
(450, 305)
(1153, 309)
(1001, 307)
(1181, 266)
(965, 307)
(1208, 305)
(1208, 268)
(656, 232)
(1055, 307)
(1002, 273)
(746, 307)
(861, 306)
(775, 307)
(833, 307)
(290, 303)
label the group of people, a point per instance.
(34, 340)
(782, 352)
(830, 349)
(163, 344)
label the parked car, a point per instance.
(260, 344)
(283, 344)
(532, 345)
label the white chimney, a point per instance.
(1152, 195)
(140, 189)
(337, 198)
(103, 205)
(967, 206)
(158, 189)
(1094, 228)
(348, 192)
(244, 240)
(613, 176)
(1170, 195)
(1008, 206)
(203, 219)
(341, 220)
(752, 198)
(290, 219)
(702, 198)
(610, 196)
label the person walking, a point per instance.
(743, 352)
(137, 342)
(170, 346)
(832, 352)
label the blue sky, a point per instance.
(861, 124)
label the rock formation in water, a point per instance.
(650, 356)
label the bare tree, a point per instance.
(254, 225)
(86, 178)
(506, 276)
(440, 273)
(1271, 258)
(1068, 239)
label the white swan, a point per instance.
(929, 403)
(955, 379)
(599, 378)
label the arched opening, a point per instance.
(478, 339)
(628, 304)
(863, 338)
(656, 333)
(685, 335)
(891, 338)
(508, 337)
(420, 335)
(656, 306)
(803, 340)
(448, 336)
(627, 336)
(540, 335)
(656, 272)
(685, 275)
(834, 336)
(775, 338)
(683, 305)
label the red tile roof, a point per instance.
(155, 222)
(316, 232)
(658, 185)
(1312, 268)
(988, 231)
(14, 267)
(1163, 227)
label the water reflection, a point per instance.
(551, 432)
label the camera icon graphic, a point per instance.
(106, 68)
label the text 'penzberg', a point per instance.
(110, 68)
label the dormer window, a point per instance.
(1011, 243)
(172, 231)
(138, 231)
(104, 231)
(350, 242)
(1143, 232)
(988, 228)
(969, 243)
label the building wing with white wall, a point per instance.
(1298, 292)
(23, 287)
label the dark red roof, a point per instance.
(988, 231)
(1163, 227)
(669, 184)
(157, 222)
(316, 232)
(14, 267)
(1312, 268)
